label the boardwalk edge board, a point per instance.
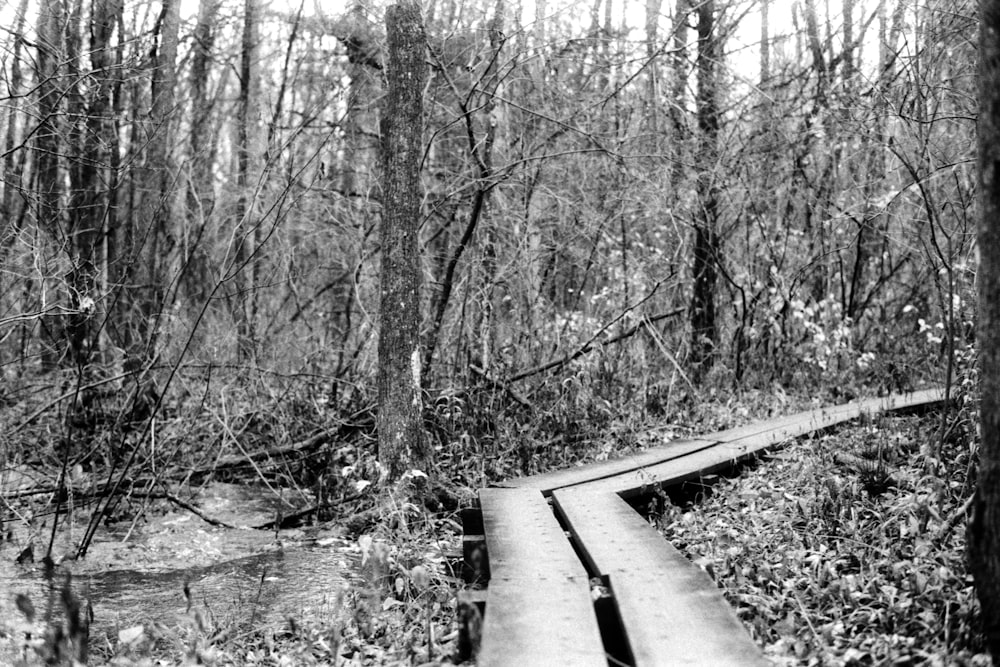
(651, 582)
(539, 609)
(538, 605)
(632, 475)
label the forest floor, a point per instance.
(846, 548)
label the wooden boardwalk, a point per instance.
(586, 580)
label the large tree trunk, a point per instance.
(984, 531)
(400, 432)
(706, 236)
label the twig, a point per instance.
(69, 394)
(497, 384)
(592, 343)
(296, 447)
(805, 617)
(185, 505)
(954, 519)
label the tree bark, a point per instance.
(984, 530)
(200, 198)
(146, 243)
(678, 101)
(706, 237)
(11, 205)
(765, 42)
(653, 8)
(91, 198)
(487, 324)
(48, 188)
(400, 429)
(246, 226)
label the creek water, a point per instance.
(137, 573)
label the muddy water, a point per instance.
(137, 574)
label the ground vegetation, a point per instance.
(636, 222)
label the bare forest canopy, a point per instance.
(637, 197)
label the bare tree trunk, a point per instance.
(765, 42)
(653, 8)
(200, 198)
(984, 530)
(489, 267)
(400, 429)
(11, 205)
(354, 167)
(48, 188)
(244, 223)
(706, 240)
(848, 64)
(91, 197)
(146, 243)
(820, 64)
(678, 101)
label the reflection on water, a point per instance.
(235, 577)
(269, 586)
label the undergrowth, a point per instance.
(847, 549)
(844, 515)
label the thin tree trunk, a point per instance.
(12, 204)
(653, 8)
(13, 160)
(400, 429)
(160, 167)
(489, 266)
(678, 101)
(200, 198)
(765, 42)
(984, 530)
(147, 244)
(48, 187)
(245, 224)
(848, 64)
(91, 200)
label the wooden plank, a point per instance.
(538, 605)
(672, 612)
(728, 453)
(814, 420)
(760, 435)
(547, 482)
(638, 482)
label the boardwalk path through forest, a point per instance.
(575, 576)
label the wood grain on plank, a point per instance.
(718, 451)
(558, 479)
(672, 612)
(819, 418)
(538, 605)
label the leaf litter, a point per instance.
(845, 549)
